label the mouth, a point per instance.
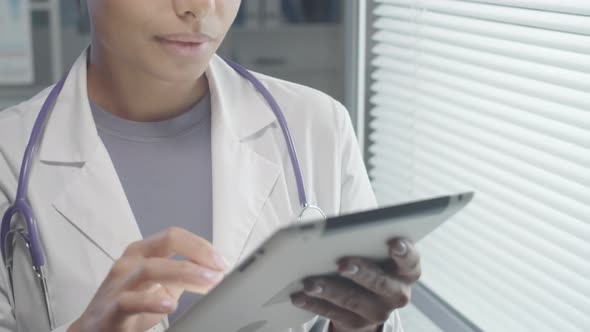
(185, 44)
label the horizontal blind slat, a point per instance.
(543, 55)
(556, 221)
(575, 7)
(452, 128)
(560, 223)
(525, 69)
(547, 20)
(553, 204)
(508, 295)
(508, 129)
(494, 293)
(511, 32)
(398, 141)
(477, 98)
(505, 80)
(573, 116)
(553, 183)
(449, 283)
(505, 219)
(571, 263)
(538, 286)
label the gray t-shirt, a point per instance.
(165, 170)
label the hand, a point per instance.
(365, 293)
(144, 285)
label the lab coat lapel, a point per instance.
(242, 179)
(95, 203)
(92, 199)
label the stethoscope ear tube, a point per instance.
(276, 109)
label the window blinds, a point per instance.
(491, 96)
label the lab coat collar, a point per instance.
(70, 132)
(241, 106)
(71, 113)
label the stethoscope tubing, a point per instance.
(21, 205)
(274, 106)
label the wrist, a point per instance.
(75, 327)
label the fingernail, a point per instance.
(212, 275)
(220, 262)
(315, 290)
(400, 248)
(168, 304)
(350, 270)
(299, 303)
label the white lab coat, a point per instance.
(85, 220)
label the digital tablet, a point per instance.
(255, 296)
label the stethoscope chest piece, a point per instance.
(311, 213)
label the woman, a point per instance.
(154, 135)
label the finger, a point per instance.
(347, 295)
(329, 310)
(367, 274)
(177, 241)
(173, 274)
(406, 258)
(146, 302)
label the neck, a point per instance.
(137, 95)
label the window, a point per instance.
(491, 96)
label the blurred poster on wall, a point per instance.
(16, 44)
(276, 12)
(311, 11)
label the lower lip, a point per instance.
(183, 49)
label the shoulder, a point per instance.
(19, 116)
(16, 123)
(307, 106)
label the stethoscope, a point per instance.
(28, 232)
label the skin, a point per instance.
(364, 293)
(132, 75)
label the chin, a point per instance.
(176, 73)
